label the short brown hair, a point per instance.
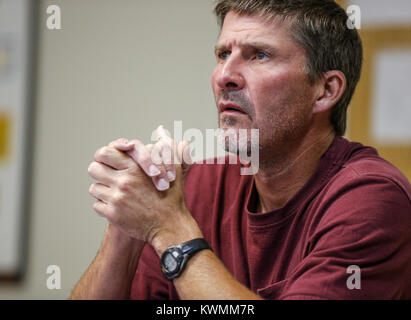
(320, 27)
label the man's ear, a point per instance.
(333, 84)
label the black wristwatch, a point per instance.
(174, 259)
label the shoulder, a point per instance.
(376, 168)
(362, 164)
(371, 174)
(367, 194)
(361, 217)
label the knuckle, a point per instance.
(106, 151)
(97, 154)
(91, 189)
(125, 183)
(102, 153)
(97, 208)
(112, 215)
(117, 199)
(92, 167)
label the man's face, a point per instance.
(261, 72)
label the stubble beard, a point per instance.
(281, 134)
(232, 140)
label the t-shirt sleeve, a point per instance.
(360, 248)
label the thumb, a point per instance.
(122, 144)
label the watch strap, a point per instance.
(195, 245)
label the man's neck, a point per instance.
(281, 177)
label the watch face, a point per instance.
(170, 262)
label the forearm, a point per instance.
(206, 278)
(111, 273)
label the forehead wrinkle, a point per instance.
(265, 27)
(253, 44)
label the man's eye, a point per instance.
(223, 55)
(261, 56)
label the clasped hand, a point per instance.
(140, 189)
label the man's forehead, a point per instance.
(252, 28)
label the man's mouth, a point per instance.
(231, 108)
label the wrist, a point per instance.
(174, 259)
(118, 253)
(120, 240)
(187, 229)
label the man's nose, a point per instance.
(230, 77)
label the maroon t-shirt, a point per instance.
(354, 210)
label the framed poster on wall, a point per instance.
(16, 104)
(380, 110)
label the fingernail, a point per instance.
(163, 184)
(171, 176)
(153, 170)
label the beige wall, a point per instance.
(117, 68)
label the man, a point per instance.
(318, 207)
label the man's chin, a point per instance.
(241, 121)
(233, 139)
(233, 126)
